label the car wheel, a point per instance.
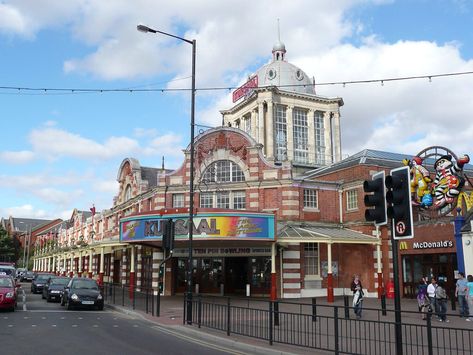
(100, 308)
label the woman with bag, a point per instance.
(357, 290)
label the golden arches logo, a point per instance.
(468, 198)
(403, 245)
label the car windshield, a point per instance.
(42, 278)
(85, 285)
(30, 273)
(6, 270)
(6, 282)
(62, 282)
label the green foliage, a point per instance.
(8, 252)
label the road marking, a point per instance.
(197, 341)
(115, 326)
(5, 317)
(54, 325)
(26, 317)
(33, 325)
(135, 326)
(43, 317)
(10, 325)
(74, 326)
(24, 300)
(95, 326)
(80, 318)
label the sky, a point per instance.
(61, 149)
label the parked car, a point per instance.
(81, 292)
(20, 272)
(54, 288)
(8, 292)
(39, 281)
(7, 269)
(27, 276)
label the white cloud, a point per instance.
(25, 211)
(19, 157)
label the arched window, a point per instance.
(223, 171)
(128, 193)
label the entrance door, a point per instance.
(236, 275)
(146, 271)
(116, 271)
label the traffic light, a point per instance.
(168, 235)
(399, 202)
(376, 199)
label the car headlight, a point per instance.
(75, 297)
(99, 297)
(9, 295)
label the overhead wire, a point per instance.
(138, 89)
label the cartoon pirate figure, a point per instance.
(420, 180)
(448, 182)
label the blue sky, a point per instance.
(62, 150)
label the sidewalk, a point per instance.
(171, 318)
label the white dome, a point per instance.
(286, 76)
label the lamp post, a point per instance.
(146, 29)
(26, 246)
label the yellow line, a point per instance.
(201, 342)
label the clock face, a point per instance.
(271, 73)
(299, 75)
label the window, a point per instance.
(301, 149)
(280, 133)
(311, 259)
(352, 199)
(177, 200)
(247, 121)
(310, 198)
(128, 192)
(223, 171)
(319, 137)
(239, 200)
(223, 199)
(206, 200)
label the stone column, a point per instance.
(132, 271)
(260, 128)
(101, 265)
(269, 129)
(330, 297)
(274, 291)
(290, 133)
(311, 136)
(91, 256)
(79, 272)
(71, 266)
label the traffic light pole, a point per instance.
(397, 295)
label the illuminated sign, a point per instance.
(246, 89)
(433, 245)
(403, 245)
(209, 226)
(207, 252)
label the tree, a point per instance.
(8, 251)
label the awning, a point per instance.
(288, 233)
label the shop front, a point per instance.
(433, 258)
(231, 250)
(225, 270)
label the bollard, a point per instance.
(228, 316)
(314, 309)
(346, 302)
(383, 304)
(276, 313)
(199, 310)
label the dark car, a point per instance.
(27, 276)
(54, 288)
(38, 282)
(82, 293)
(8, 294)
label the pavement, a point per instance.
(171, 318)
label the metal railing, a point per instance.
(140, 299)
(331, 327)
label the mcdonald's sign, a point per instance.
(403, 245)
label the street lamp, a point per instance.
(143, 28)
(26, 239)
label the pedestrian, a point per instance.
(431, 293)
(469, 296)
(441, 300)
(423, 300)
(358, 294)
(421, 292)
(460, 292)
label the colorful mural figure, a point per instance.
(420, 182)
(448, 181)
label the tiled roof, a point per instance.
(387, 160)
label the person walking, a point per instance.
(441, 300)
(423, 300)
(431, 293)
(357, 290)
(460, 292)
(469, 296)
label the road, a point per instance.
(38, 327)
